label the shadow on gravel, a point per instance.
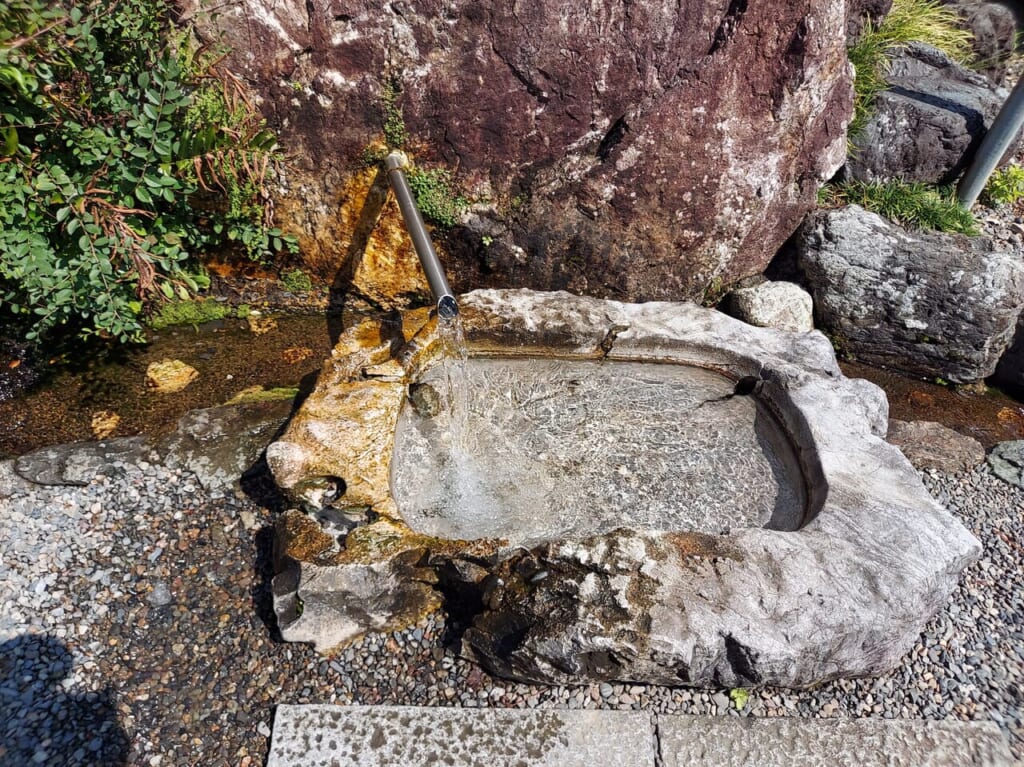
(262, 595)
(259, 486)
(44, 719)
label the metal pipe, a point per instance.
(447, 307)
(1004, 130)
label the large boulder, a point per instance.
(645, 150)
(994, 27)
(928, 304)
(928, 123)
(839, 583)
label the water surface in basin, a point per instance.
(547, 448)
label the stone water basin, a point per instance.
(652, 492)
(544, 449)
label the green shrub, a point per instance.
(926, 21)
(436, 196)
(910, 204)
(1004, 187)
(124, 150)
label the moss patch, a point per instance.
(195, 313)
(259, 394)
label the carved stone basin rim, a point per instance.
(846, 594)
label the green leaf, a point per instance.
(167, 289)
(10, 139)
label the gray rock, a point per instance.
(12, 484)
(219, 444)
(924, 303)
(81, 462)
(995, 33)
(1007, 461)
(844, 590)
(783, 305)
(734, 742)
(327, 596)
(928, 123)
(386, 736)
(860, 12)
(160, 595)
(930, 445)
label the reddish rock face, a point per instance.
(642, 149)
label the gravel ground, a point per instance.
(135, 628)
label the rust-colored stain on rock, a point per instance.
(701, 545)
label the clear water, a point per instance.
(536, 449)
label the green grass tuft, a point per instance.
(925, 21)
(1004, 187)
(910, 204)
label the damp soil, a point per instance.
(65, 393)
(990, 416)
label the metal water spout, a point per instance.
(447, 307)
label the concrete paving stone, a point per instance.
(386, 736)
(691, 741)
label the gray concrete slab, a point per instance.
(693, 741)
(389, 736)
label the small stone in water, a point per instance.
(425, 400)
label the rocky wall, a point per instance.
(642, 150)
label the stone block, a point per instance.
(690, 741)
(389, 736)
(930, 445)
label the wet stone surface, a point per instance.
(559, 448)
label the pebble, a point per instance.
(175, 653)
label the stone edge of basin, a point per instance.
(845, 595)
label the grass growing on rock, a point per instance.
(925, 21)
(910, 204)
